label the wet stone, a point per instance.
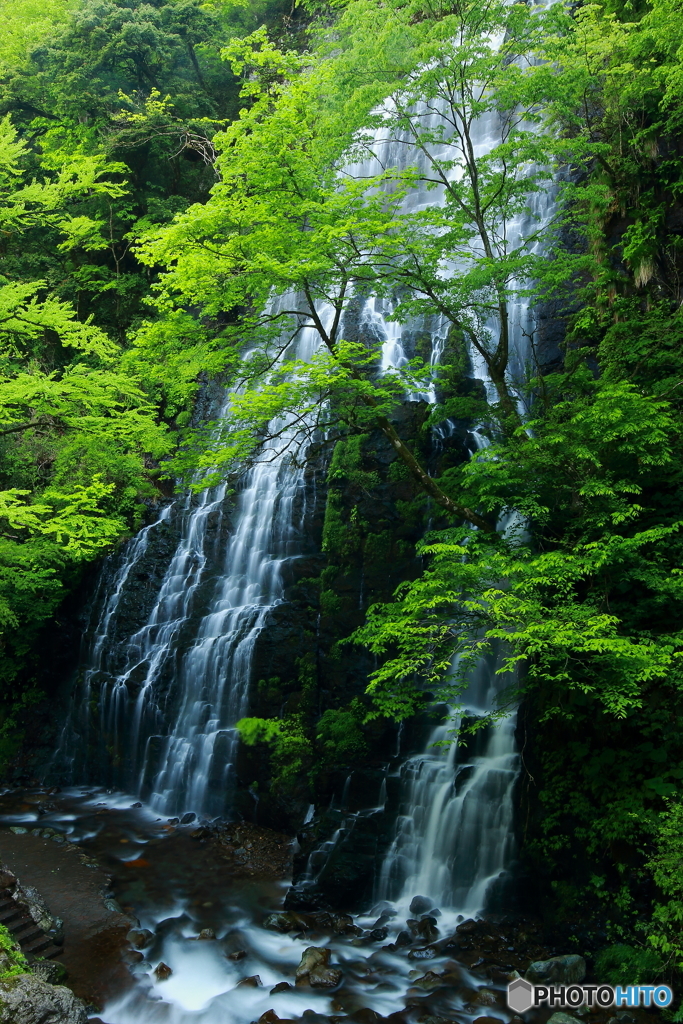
(162, 971)
(133, 956)
(558, 970)
(252, 982)
(282, 986)
(325, 977)
(287, 921)
(269, 1017)
(342, 924)
(239, 954)
(420, 905)
(378, 934)
(467, 927)
(366, 1016)
(429, 980)
(139, 938)
(427, 929)
(314, 956)
(404, 938)
(422, 954)
(206, 934)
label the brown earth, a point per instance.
(94, 937)
(251, 851)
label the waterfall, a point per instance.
(454, 838)
(454, 835)
(160, 708)
(165, 720)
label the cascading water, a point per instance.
(454, 838)
(454, 835)
(168, 722)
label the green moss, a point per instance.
(12, 960)
(347, 463)
(339, 735)
(378, 546)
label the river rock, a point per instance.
(422, 954)
(559, 970)
(427, 929)
(366, 1016)
(324, 977)
(140, 938)
(252, 982)
(562, 1018)
(25, 999)
(50, 971)
(239, 954)
(7, 878)
(282, 986)
(133, 956)
(404, 938)
(313, 956)
(420, 905)
(162, 971)
(486, 997)
(207, 934)
(378, 934)
(343, 924)
(287, 921)
(429, 980)
(37, 908)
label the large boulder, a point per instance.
(25, 999)
(559, 970)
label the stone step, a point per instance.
(37, 946)
(10, 914)
(52, 952)
(23, 929)
(28, 931)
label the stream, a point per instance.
(174, 882)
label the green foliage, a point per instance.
(12, 960)
(300, 749)
(627, 965)
(290, 747)
(340, 736)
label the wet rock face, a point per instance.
(28, 1000)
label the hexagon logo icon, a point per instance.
(520, 995)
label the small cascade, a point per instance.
(454, 837)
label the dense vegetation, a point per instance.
(185, 193)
